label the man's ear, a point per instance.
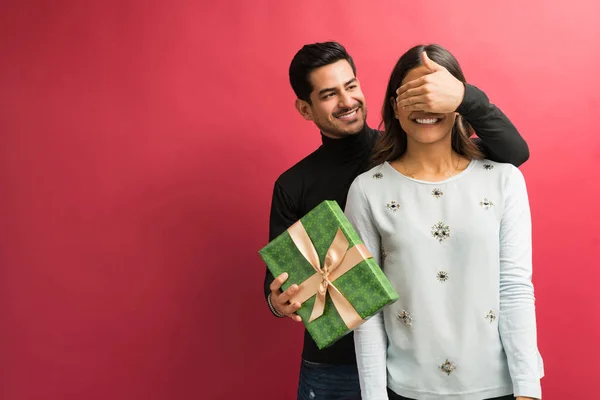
(304, 109)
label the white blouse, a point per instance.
(458, 252)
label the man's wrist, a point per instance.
(273, 309)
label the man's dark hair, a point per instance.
(311, 57)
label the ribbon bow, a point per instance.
(338, 260)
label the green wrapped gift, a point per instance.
(340, 284)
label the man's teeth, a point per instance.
(427, 121)
(349, 115)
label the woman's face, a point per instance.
(422, 127)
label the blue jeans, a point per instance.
(328, 382)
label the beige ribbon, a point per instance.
(338, 261)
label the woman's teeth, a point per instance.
(427, 121)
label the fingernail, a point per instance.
(285, 275)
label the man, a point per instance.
(323, 76)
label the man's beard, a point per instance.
(334, 129)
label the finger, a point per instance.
(295, 317)
(291, 309)
(416, 107)
(411, 85)
(429, 63)
(285, 296)
(284, 307)
(277, 282)
(412, 92)
(412, 101)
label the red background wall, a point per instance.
(139, 141)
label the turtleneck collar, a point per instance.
(348, 145)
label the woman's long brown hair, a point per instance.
(392, 144)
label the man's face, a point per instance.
(338, 106)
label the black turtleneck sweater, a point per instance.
(327, 173)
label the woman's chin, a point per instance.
(428, 136)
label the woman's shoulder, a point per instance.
(504, 173)
(370, 178)
(373, 174)
(499, 168)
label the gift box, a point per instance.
(340, 284)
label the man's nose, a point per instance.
(345, 101)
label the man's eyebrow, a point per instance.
(323, 91)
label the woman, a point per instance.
(452, 232)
